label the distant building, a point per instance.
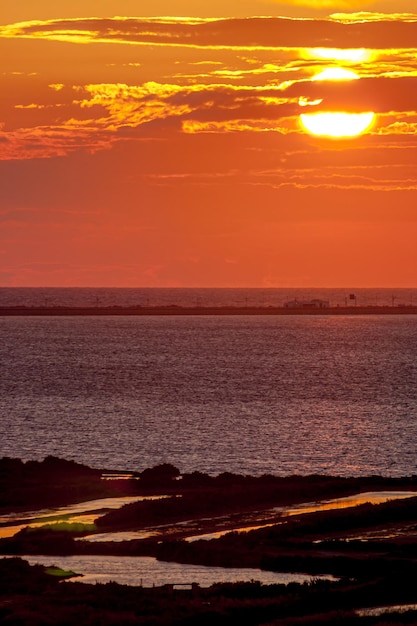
(307, 304)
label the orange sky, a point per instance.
(140, 150)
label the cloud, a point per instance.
(101, 115)
(339, 177)
(381, 94)
(54, 113)
(369, 30)
(105, 113)
(328, 4)
(365, 16)
(49, 141)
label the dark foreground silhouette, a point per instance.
(30, 596)
(371, 549)
(44, 311)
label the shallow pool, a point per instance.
(148, 572)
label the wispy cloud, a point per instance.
(96, 116)
(247, 91)
(329, 4)
(340, 30)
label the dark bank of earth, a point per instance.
(31, 597)
(371, 548)
(204, 310)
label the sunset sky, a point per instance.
(140, 150)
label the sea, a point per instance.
(246, 394)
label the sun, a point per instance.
(336, 125)
(336, 73)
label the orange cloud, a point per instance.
(365, 16)
(188, 166)
(96, 116)
(329, 4)
(340, 30)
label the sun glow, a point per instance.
(336, 73)
(335, 124)
(347, 55)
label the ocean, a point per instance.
(247, 394)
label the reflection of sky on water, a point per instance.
(73, 509)
(382, 610)
(10, 531)
(319, 384)
(147, 571)
(119, 536)
(80, 513)
(382, 533)
(87, 512)
(373, 497)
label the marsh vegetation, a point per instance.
(369, 549)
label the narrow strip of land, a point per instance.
(202, 310)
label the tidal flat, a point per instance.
(349, 544)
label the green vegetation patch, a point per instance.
(71, 527)
(58, 572)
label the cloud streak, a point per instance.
(340, 31)
(95, 116)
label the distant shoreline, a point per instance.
(174, 310)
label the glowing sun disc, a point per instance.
(336, 73)
(337, 125)
(332, 124)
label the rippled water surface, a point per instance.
(147, 571)
(243, 394)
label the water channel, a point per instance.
(147, 571)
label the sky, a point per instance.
(160, 143)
